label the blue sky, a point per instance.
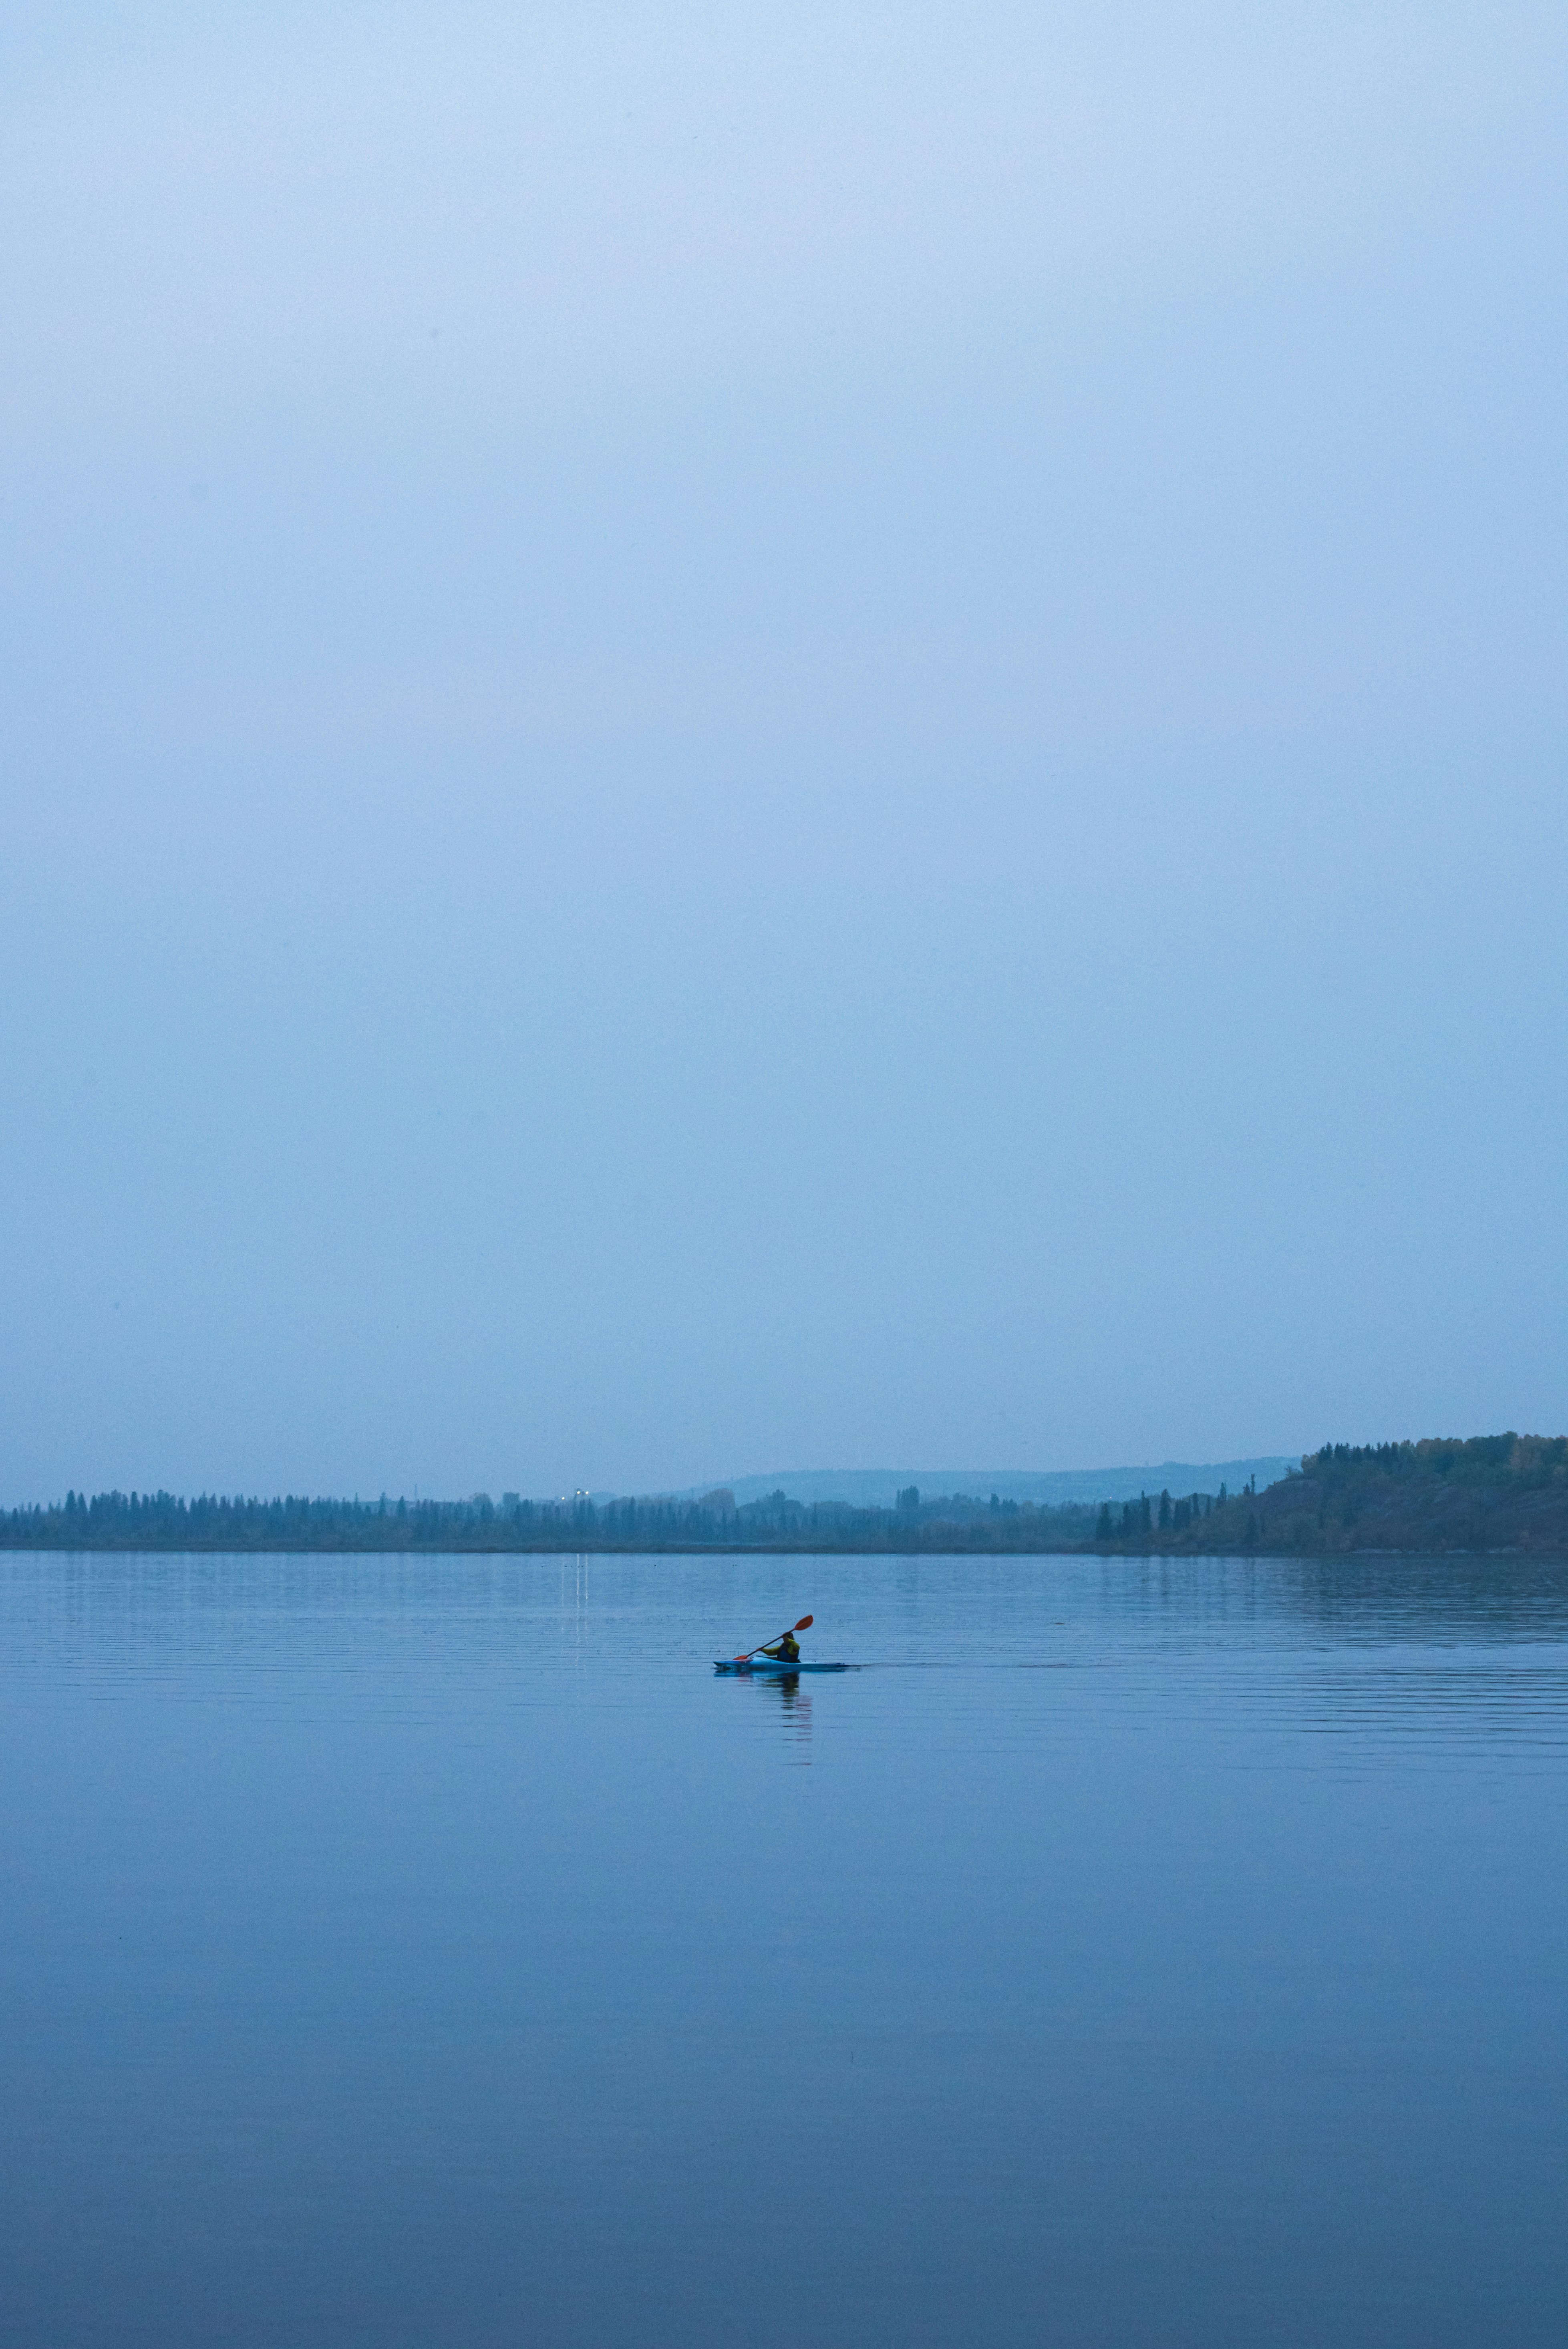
(735, 735)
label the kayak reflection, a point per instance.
(794, 1707)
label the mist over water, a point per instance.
(1128, 1953)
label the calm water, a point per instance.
(435, 1952)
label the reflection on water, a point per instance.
(1133, 1951)
(792, 1699)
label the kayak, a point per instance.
(769, 1664)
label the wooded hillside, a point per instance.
(1491, 1492)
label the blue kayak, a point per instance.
(771, 1664)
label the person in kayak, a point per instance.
(785, 1650)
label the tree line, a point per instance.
(167, 1521)
(1482, 1492)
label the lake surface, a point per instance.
(425, 1951)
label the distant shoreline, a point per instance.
(1495, 1496)
(818, 1544)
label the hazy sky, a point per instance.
(747, 736)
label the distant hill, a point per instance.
(1487, 1492)
(1050, 1488)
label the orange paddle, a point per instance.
(803, 1625)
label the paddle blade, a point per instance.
(805, 1623)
